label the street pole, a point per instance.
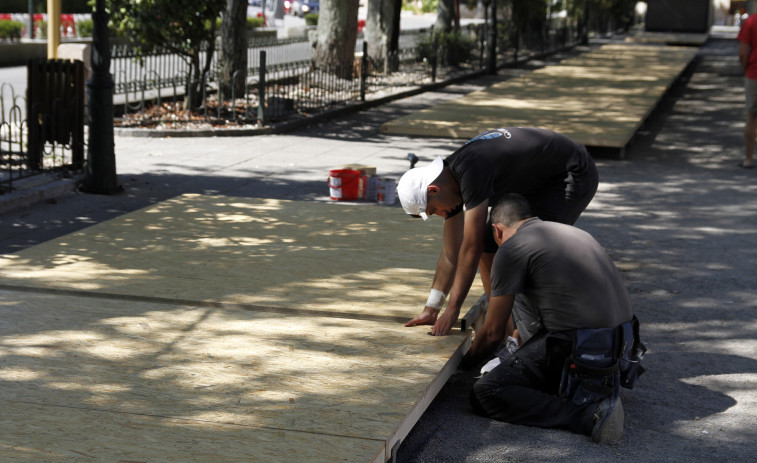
(585, 38)
(53, 28)
(101, 159)
(31, 19)
(491, 43)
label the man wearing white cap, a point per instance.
(555, 174)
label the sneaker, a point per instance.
(608, 421)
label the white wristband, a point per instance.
(436, 299)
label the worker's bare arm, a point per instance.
(445, 267)
(492, 332)
(469, 254)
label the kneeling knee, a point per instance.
(476, 404)
(481, 395)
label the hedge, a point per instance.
(10, 29)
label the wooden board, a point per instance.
(358, 259)
(300, 373)
(99, 359)
(599, 98)
(669, 38)
(44, 434)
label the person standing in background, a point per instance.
(748, 60)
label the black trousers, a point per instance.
(561, 202)
(524, 390)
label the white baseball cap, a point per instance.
(412, 188)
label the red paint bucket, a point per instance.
(343, 184)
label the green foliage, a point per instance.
(311, 19)
(85, 27)
(557, 6)
(185, 27)
(530, 17)
(621, 11)
(506, 35)
(41, 27)
(459, 47)
(181, 25)
(426, 6)
(453, 48)
(253, 23)
(10, 30)
(424, 48)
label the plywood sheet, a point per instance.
(320, 376)
(311, 256)
(210, 328)
(599, 98)
(669, 38)
(46, 434)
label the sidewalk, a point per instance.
(676, 215)
(679, 219)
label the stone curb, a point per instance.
(24, 197)
(299, 123)
(287, 126)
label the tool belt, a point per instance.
(600, 361)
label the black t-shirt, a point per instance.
(523, 160)
(565, 275)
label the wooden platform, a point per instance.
(669, 38)
(599, 98)
(211, 328)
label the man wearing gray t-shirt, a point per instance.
(556, 174)
(570, 286)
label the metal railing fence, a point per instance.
(13, 133)
(287, 83)
(52, 138)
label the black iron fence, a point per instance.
(13, 133)
(281, 80)
(44, 130)
(55, 106)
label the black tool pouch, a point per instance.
(592, 372)
(631, 353)
(601, 361)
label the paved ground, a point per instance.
(676, 214)
(680, 219)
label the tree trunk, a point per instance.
(192, 97)
(233, 62)
(457, 15)
(491, 39)
(445, 15)
(382, 31)
(335, 37)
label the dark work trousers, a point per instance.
(565, 202)
(560, 202)
(523, 390)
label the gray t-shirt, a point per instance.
(565, 275)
